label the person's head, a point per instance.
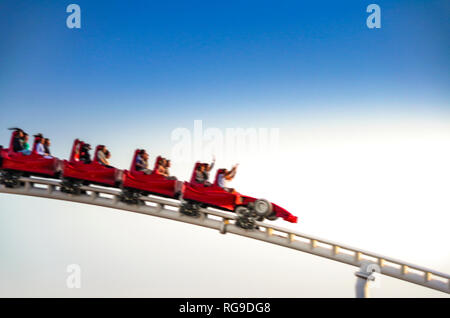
(20, 133)
(25, 137)
(143, 154)
(167, 163)
(201, 167)
(39, 138)
(107, 154)
(47, 142)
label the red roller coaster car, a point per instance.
(137, 182)
(76, 172)
(197, 195)
(16, 164)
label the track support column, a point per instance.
(363, 278)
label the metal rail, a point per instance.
(224, 222)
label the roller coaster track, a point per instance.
(224, 222)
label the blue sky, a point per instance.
(190, 56)
(149, 67)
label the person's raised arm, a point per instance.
(230, 175)
(212, 164)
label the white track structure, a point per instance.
(224, 222)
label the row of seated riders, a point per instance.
(20, 144)
(141, 164)
(201, 173)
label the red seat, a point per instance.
(75, 153)
(216, 180)
(155, 167)
(193, 181)
(133, 163)
(11, 142)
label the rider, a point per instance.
(166, 167)
(202, 173)
(142, 162)
(167, 173)
(107, 156)
(47, 146)
(18, 140)
(40, 149)
(84, 153)
(26, 146)
(161, 169)
(103, 155)
(225, 176)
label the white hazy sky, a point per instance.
(380, 185)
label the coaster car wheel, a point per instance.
(246, 218)
(190, 208)
(130, 196)
(10, 179)
(262, 207)
(71, 186)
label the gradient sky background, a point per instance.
(364, 121)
